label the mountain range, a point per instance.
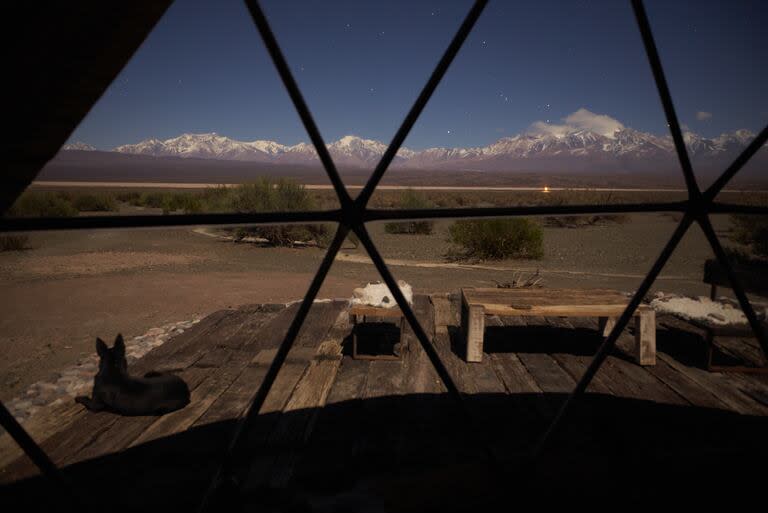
(572, 147)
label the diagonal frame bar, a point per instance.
(736, 285)
(352, 215)
(421, 101)
(421, 335)
(741, 160)
(666, 98)
(225, 469)
(698, 206)
(39, 457)
(260, 20)
(609, 342)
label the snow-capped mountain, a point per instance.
(350, 150)
(586, 141)
(78, 145)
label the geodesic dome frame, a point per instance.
(127, 26)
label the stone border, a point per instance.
(78, 379)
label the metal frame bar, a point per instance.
(353, 215)
(698, 206)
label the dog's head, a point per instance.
(112, 361)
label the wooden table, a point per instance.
(607, 305)
(357, 315)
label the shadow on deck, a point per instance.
(337, 434)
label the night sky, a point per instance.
(361, 64)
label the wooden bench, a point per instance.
(606, 305)
(357, 315)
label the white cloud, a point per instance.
(582, 119)
(703, 116)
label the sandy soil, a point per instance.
(73, 286)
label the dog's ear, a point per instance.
(101, 348)
(119, 345)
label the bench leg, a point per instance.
(473, 324)
(606, 325)
(645, 337)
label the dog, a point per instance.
(115, 390)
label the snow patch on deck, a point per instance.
(701, 309)
(378, 294)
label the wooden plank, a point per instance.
(685, 386)
(473, 328)
(257, 475)
(751, 385)
(645, 338)
(640, 384)
(313, 388)
(51, 419)
(420, 375)
(206, 383)
(201, 399)
(300, 413)
(456, 367)
(544, 296)
(211, 383)
(718, 385)
(88, 427)
(515, 376)
(375, 311)
(558, 310)
(741, 350)
(333, 443)
(232, 403)
(183, 350)
(441, 306)
(576, 366)
(319, 321)
(121, 431)
(350, 381)
(606, 325)
(549, 376)
(257, 333)
(483, 373)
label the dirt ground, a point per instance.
(73, 286)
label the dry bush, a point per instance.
(496, 239)
(13, 242)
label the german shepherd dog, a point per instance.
(117, 391)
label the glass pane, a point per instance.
(571, 110)
(361, 66)
(198, 106)
(713, 59)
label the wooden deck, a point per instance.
(336, 432)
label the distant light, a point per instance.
(546, 189)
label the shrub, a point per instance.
(752, 231)
(100, 202)
(217, 199)
(13, 242)
(283, 195)
(496, 239)
(411, 199)
(42, 204)
(130, 197)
